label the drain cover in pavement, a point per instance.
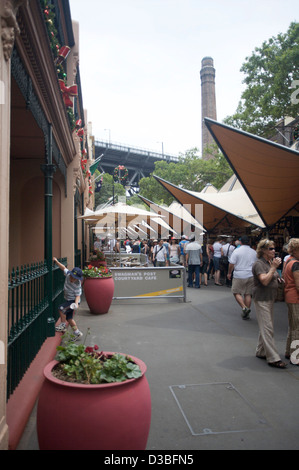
(216, 408)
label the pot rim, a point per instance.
(49, 376)
(97, 278)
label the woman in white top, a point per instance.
(217, 246)
(174, 251)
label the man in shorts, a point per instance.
(240, 264)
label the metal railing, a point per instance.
(31, 316)
(139, 150)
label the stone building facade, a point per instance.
(45, 151)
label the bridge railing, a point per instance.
(137, 150)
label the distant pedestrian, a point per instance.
(217, 246)
(241, 262)
(174, 251)
(210, 271)
(166, 245)
(205, 263)
(97, 246)
(159, 254)
(226, 252)
(193, 260)
(136, 246)
(145, 249)
(182, 245)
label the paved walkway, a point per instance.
(208, 389)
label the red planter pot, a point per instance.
(99, 294)
(94, 417)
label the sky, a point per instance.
(140, 63)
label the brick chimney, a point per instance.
(208, 100)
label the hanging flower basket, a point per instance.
(120, 174)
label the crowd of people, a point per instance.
(252, 273)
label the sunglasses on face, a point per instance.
(271, 249)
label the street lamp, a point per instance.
(109, 130)
(162, 148)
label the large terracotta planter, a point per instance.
(99, 294)
(94, 417)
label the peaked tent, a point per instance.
(121, 216)
(268, 172)
(176, 216)
(232, 209)
(118, 212)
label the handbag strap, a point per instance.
(157, 251)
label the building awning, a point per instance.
(268, 172)
(232, 209)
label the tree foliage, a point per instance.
(106, 191)
(270, 73)
(191, 172)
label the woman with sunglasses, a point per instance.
(264, 292)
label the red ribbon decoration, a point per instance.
(67, 92)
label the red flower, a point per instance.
(96, 347)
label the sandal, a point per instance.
(278, 364)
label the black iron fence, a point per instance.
(31, 315)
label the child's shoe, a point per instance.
(61, 327)
(76, 336)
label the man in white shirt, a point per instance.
(241, 262)
(160, 255)
(193, 260)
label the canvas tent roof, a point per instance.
(176, 216)
(231, 185)
(118, 210)
(226, 209)
(268, 172)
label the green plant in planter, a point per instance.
(96, 272)
(88, 365)
(97, 256)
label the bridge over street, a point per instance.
(139, 162)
